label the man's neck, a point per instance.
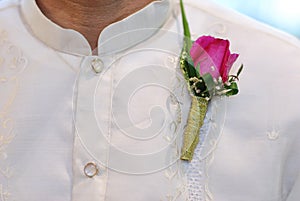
(89, 17)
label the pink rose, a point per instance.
(213, 55)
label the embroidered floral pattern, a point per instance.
(12, 63)
(273, 135)
(175, 173)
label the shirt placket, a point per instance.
(91, 141)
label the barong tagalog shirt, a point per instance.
(108, 126)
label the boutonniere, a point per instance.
(206, 65)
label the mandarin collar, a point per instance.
(114, 38)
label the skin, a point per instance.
(89, 17)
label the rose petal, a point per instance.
(200, 55)
(227, 65)
(213, 55)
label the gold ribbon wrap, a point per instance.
(194, 123)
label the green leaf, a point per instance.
(209, 82)
(203, 89)
(186, 28)
(190, 69)
(197, 70)
(186, 60)
(240, 70)
(233, 89)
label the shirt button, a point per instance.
(97, 65)
(91, 169)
